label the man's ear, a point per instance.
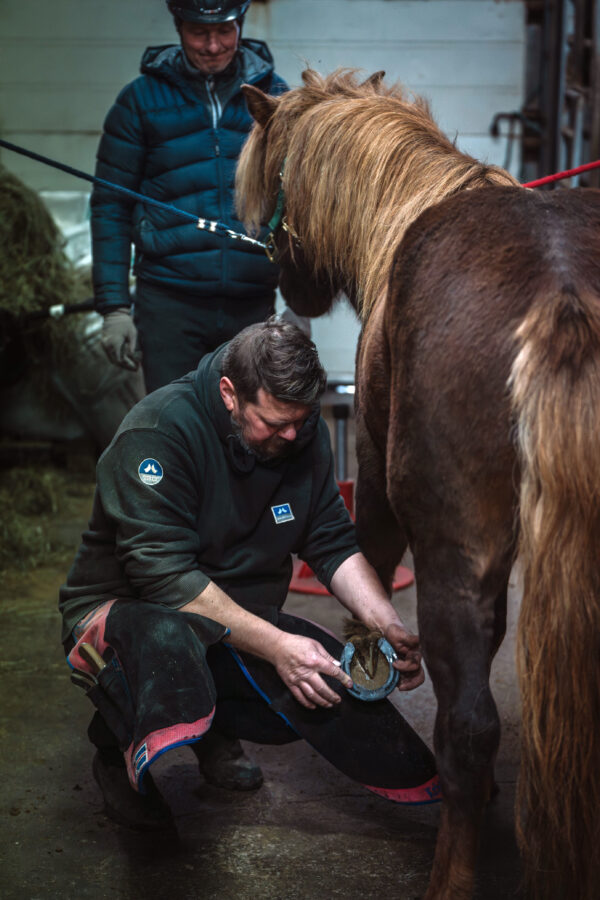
(260, 106)
(228, 394)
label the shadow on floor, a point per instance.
(308, 834)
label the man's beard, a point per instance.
(272, 448)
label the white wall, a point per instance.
(63, 62)
(465, 56)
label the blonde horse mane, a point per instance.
(360, 164)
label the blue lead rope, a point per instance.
(201, 223)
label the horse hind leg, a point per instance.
(461, 621)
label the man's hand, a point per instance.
(119, 338)
(298, 661)
(406, 645)
(356, 585)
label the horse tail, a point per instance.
(555, 383)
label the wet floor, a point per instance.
(308, 833)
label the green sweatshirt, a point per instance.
(179, 502)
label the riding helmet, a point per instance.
(208, 11)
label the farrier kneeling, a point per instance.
(172, 608)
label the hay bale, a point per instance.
(23, 542)
(31, 491)
(35, 274)
(33, 500)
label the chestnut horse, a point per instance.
(478, 426)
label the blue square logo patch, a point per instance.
(282, 513)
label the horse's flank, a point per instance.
(363, 155)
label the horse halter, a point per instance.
(275, 221)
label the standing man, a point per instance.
(175, 134)
(172, 608)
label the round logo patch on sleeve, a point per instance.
(150, 471)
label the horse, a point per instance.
(477, 420)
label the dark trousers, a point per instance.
(239, 713)
(176, 329)
(171, 677)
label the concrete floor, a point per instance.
(308, 833)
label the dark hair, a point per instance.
(277, 357)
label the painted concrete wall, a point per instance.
(63, 62)
(465, 56)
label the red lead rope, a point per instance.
(560, 175)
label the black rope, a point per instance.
(203, 224)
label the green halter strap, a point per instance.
(275, 221)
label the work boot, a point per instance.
(224, 764)
(123, 804)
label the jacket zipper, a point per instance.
(215, 106)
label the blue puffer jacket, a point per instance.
(176, 135)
